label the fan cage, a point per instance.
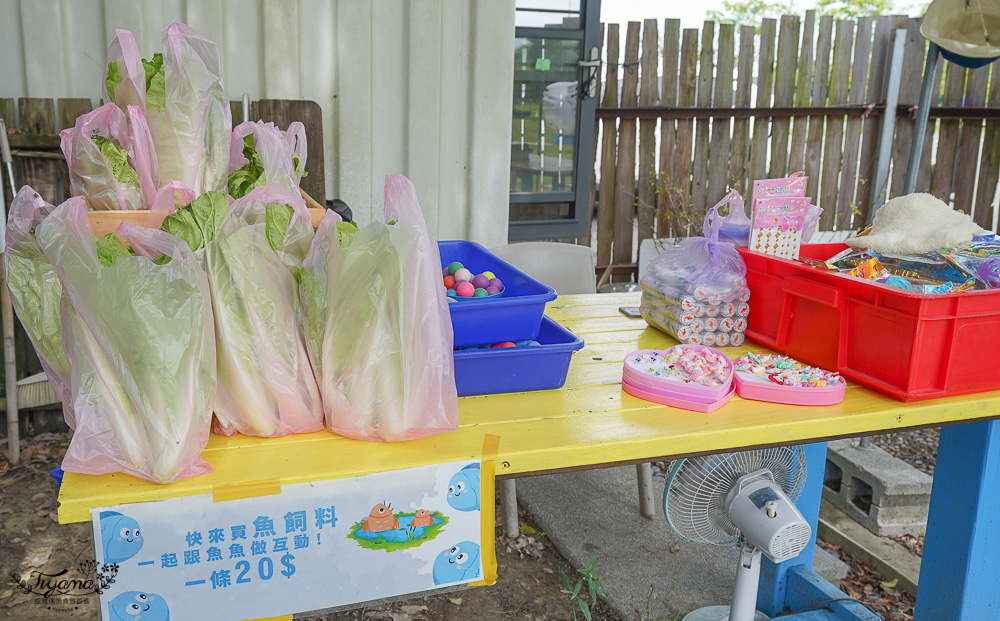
(695, 497)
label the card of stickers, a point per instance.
(779, 209)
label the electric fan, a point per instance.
(740, 500)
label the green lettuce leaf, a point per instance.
(277, 217)
(117, 158)
(156, 94)
(198, 222)
(250, 175)
(110, 248)
(113, 80)
(345, 233)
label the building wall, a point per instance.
(421, 87)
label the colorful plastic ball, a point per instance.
(454, 267)
(449, 282)
(533, 343)
(521, 344)
(480, 281)
(492, 290)
(465, 289)
(480, 293)
(495, 282)
(463, 275)
(507, 344)
(489, 275)
(451, 293)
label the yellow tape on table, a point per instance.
(487, 507)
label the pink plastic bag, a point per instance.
(279, 151)
(267, 386)
(36, 292)
(101, 160)
(140, 341)
(378, 324)
(190, 136)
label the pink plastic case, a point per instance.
(759, 388)
(675, 392)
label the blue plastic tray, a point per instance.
(516, 369)
(514, 315)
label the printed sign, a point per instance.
(309, 547)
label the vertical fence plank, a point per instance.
(595, 158)
(821, 85)
(874, 93)
(925, 168)
(38, 116)
(909, 93)
(668, 127)
(680, 191)
(989, 168)
(803, 88)
(699, 178)
(649, 95)
(609, 137)
(947, 146)
(739, 159)
(765, 86)
(833, 155)
(784, 92)
(719, 153)
(621, 251)
(847, 203)
(968, 141)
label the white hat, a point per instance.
(967, 31)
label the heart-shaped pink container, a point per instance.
(639, 380)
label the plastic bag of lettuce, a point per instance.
(139, 340)
(378, 325)
(251, 253)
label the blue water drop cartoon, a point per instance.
(457, 563)
(135, 605)
(463, 489)
(120, 537)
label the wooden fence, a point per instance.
(700, 127)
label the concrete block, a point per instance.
(829, 565)
(884, 494)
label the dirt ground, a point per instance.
(528, 586)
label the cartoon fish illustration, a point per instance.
(463, 489)
(120, 537)
(136, 605)
(422, 518)
(381, 518)
(458, 563)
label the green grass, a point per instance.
(381, 544)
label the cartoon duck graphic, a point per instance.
(422, 518)
(136, 605)
(120, 537)
(381, 518)
(458, 563)
(463, 489)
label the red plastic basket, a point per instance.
(902, 344)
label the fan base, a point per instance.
(717, 613)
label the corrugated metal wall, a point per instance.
(421, 87)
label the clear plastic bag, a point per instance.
(187, 112)
(691, 287)
(282, 153)
(140, 341)
(378, 324)
(102, 160)
(267, 386)
(35, 291)
(735, 225)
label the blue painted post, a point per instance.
(774, 576)
(960, 568)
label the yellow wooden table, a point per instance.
(588, 422)
(591, 422)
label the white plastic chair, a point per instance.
(569, 269)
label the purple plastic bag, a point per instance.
(278, 151)
(105, 182)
